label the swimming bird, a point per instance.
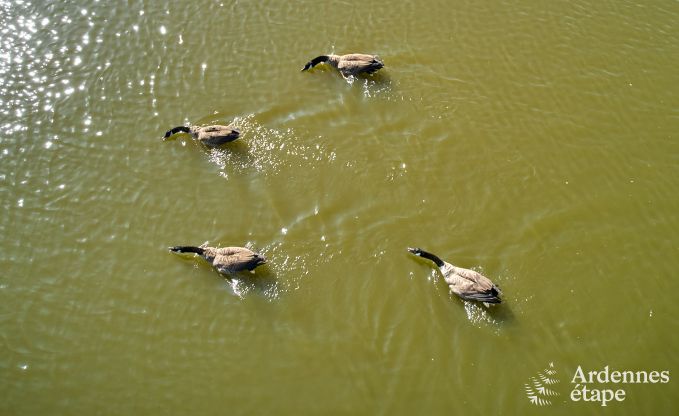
(227, 260)
(465, 283)
(347, 65)
(211, 136)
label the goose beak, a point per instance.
(414, 250)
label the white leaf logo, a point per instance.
(537, 388)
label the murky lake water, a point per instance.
(533, 141)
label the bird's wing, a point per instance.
(230, 264)
(355, 60)
(459, 284)
(235, 259)
(209, 129)
(472, 285)
(362, 57)
(216, 131)
(480, 281)
(232, 251)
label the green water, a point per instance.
(533, 141)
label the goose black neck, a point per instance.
(176, 130)
(188, 249)
(430, 256)
(317, 60)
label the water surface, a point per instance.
(534, 142)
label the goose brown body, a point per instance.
(350, 64)
(212, 136)
(465, 283)
(226, 260)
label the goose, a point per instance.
(465, 283)
(347, 65)
(211, 136)
(227, 260)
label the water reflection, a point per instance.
(263, 149)
(83, 207)
(495, 316)
(262, 282)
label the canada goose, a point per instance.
(226, 260)
(212, 136)
(351, 64)
(465, 283)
